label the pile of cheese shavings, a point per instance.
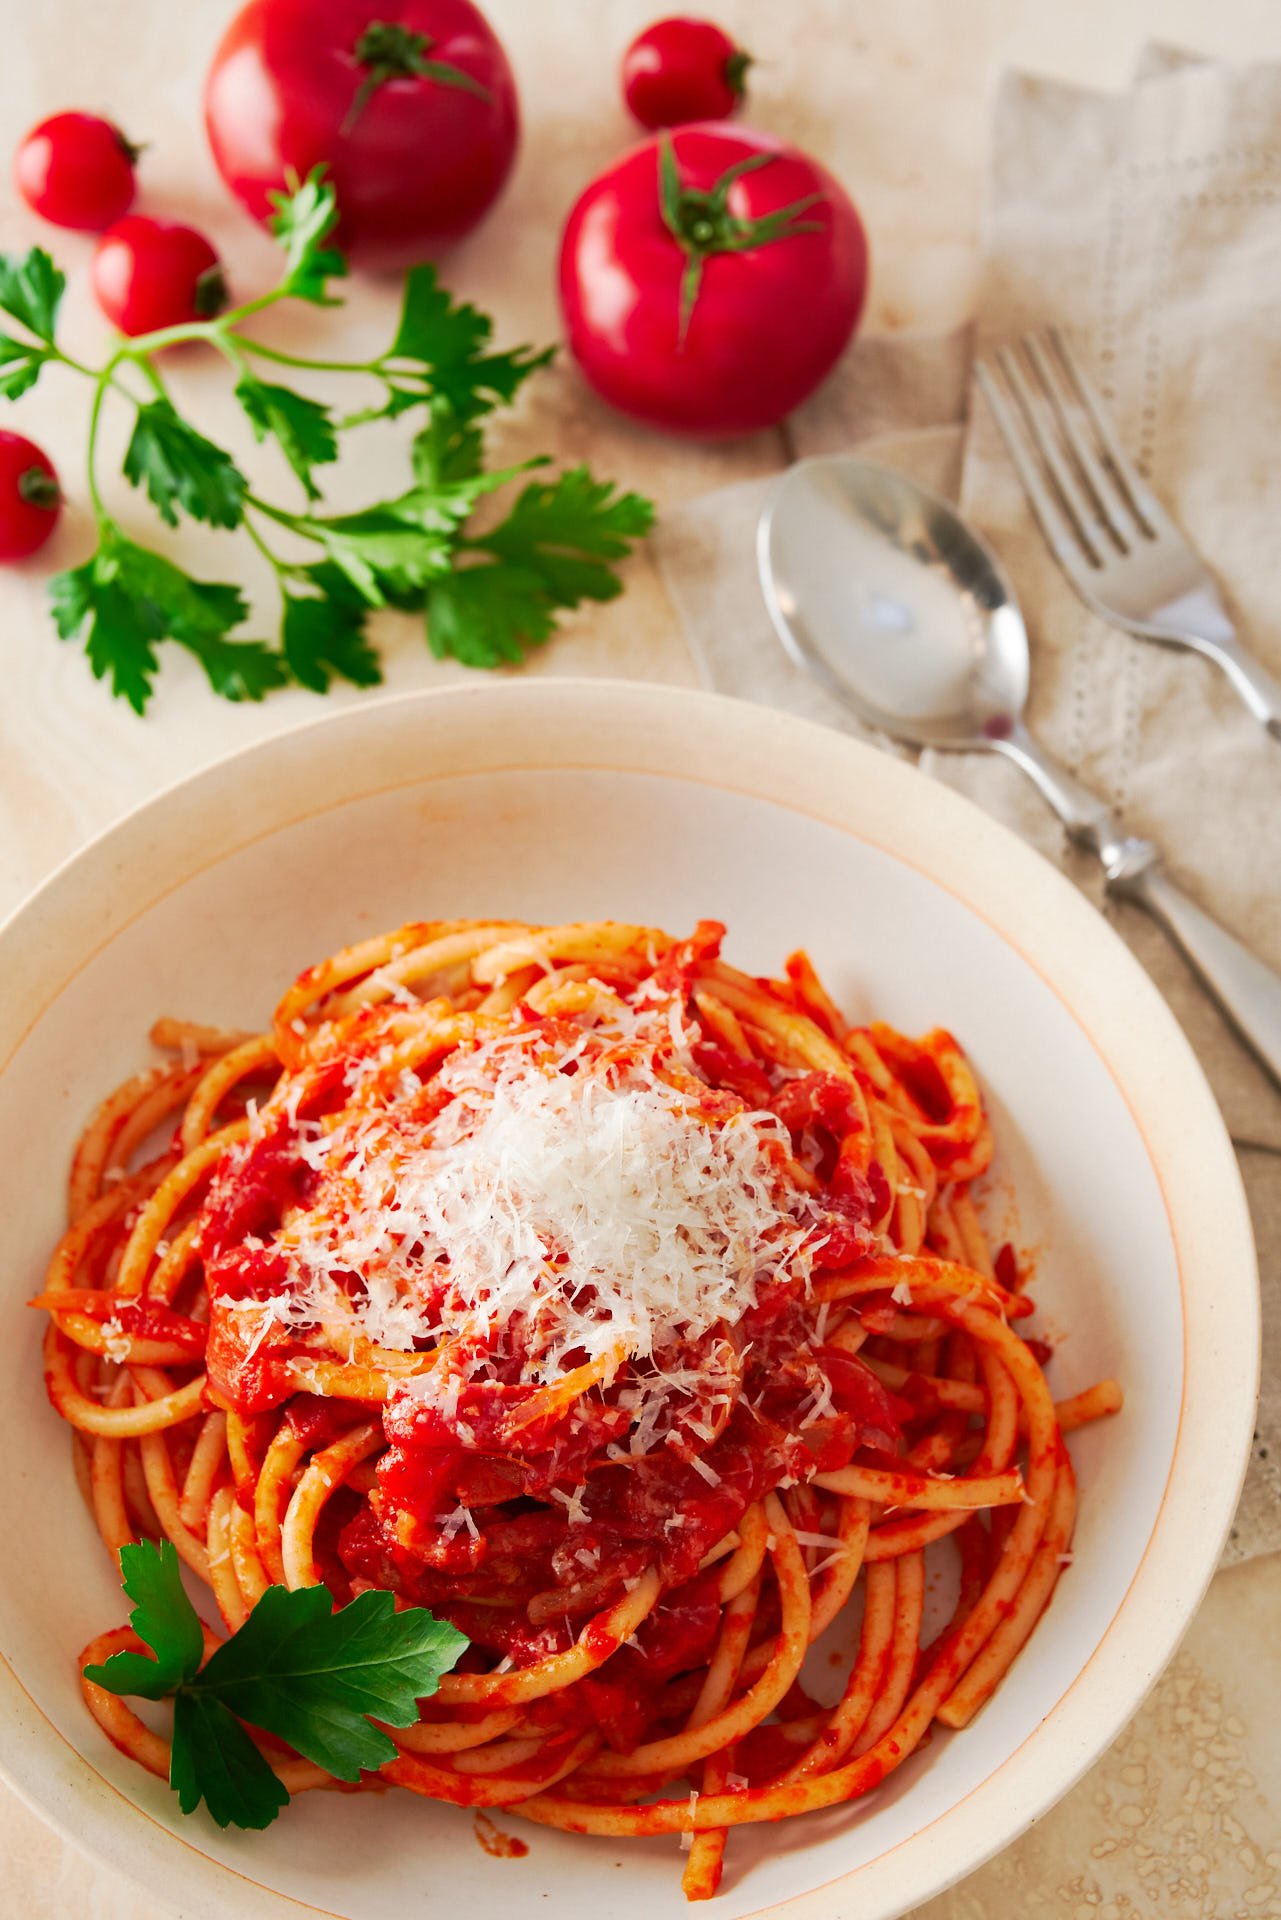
(577, 1187)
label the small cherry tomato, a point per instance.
(77, 171)
(710, 278)
(154, 273)
(682, 69)
(30, 498)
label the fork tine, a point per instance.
(1144, 504)
(1049, 515)
(1113, 512)
(1085, 522)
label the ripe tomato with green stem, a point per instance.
(411, 109)
(30, 498)
(710, 279)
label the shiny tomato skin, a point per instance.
(76, 170)
(420, 163)
(29, 498)
(155, 273)
(682, 69)
(767, 324)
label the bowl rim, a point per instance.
(731, 745)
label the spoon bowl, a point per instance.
(883, 593)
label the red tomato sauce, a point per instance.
(522, 1526)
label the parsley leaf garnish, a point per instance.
(384, 557)
(488, 596)
(116, 644)
(302, 221)
(313, 1676)
(126, 598)
(303, 427)
(20, 364)
(486, 616)
(447, 448)
(31, 289)
(298, 1669)
(163, 1617)
(443, 344)
(181, 469)
(323, 632)
(237, 669)
(214, 1760)
(567, 532)
(553, 550)
(389, 553)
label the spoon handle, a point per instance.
(1087, 819)
(1248, 993)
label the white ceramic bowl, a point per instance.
(555, 801)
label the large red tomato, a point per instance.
(710, 279)
(415, 118)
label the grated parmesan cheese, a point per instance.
(575, 1512)
(116, 1341)
(575, 1193)
(687, 1835)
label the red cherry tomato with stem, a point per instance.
(415, 119)
(710, 279)
(76, 170)
(682, 69)
(150, 273)
(30, 498)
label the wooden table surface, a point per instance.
(1183, 1816)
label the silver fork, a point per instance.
(1104, 525)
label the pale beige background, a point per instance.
(1183, 1818)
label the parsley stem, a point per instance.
(94, 412)
(284, 359)
(66, 360)
(148, 343)
(153, 379)
(221, 333)
(279, 514)
(230, 349)
(279, 566)
(105, 373)
(102, 380)
(299, 523)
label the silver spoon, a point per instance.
(883, 593)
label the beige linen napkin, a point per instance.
(1149, 225)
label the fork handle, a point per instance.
(1201, 621)
(1247, 992)
(1259, 689)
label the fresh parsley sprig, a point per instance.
(487, 597)
(313, 1676)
